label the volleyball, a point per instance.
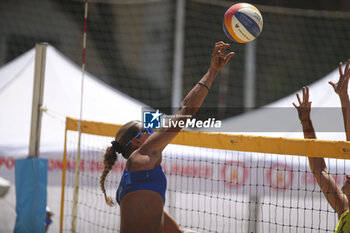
(242, 22)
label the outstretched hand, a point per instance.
(304, 107)
(341, 87)
(218, 58)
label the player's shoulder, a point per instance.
(142, 161)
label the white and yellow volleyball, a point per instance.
(242, 22)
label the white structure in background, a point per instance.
(4, 186)
(282, 116)
(61, 99)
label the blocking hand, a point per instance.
(304, 107)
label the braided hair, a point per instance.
(126, 133)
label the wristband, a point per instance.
(203, 84)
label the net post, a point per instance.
(223, 90)
(178, 70)
(178, 54)
(63, 184)
(77, 159)
(76, 183)
(38, 93)
(253, 213)
(249, 75)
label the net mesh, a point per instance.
(134, 40)
(209, 190)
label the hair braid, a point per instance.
(124, 134)
(109, 159)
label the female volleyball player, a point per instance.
(141, 192)
(336, 197)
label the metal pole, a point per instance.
(223, 88)
(177, 73)
(63, 185)
(249, 76)
(77, 159)
(253, 213)
(38, 93)
(178, 55)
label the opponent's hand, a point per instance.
(304, 107)
(341, 87)
(218, 58)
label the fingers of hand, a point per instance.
(307, 94)
(305, 103)
(217, 47)
(344, 74)
(299, 100)
(347, 75)
(223, 47)
(228, 56)
(219, 43)
(347, 66)
(220, 48)
(304, 95)
(347, 70)
(341, 69)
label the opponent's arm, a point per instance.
(341, 88)
(192, 102)
(318, 167)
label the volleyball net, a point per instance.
(216, 182)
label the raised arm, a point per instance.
(341, 88)
(191, 103)
(329, 187)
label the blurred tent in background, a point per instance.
(280, 118)
(4, 187)
(62, 91)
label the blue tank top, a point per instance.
(142, 180)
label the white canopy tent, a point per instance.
(62, 90)
(280, 118)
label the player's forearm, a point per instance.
(308, 129)
(317, 165)
(344, 100)
(327, 184)
(195, 98)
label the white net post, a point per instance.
(178, 55)
(249, 75)
(77, 161)
(38, 95)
